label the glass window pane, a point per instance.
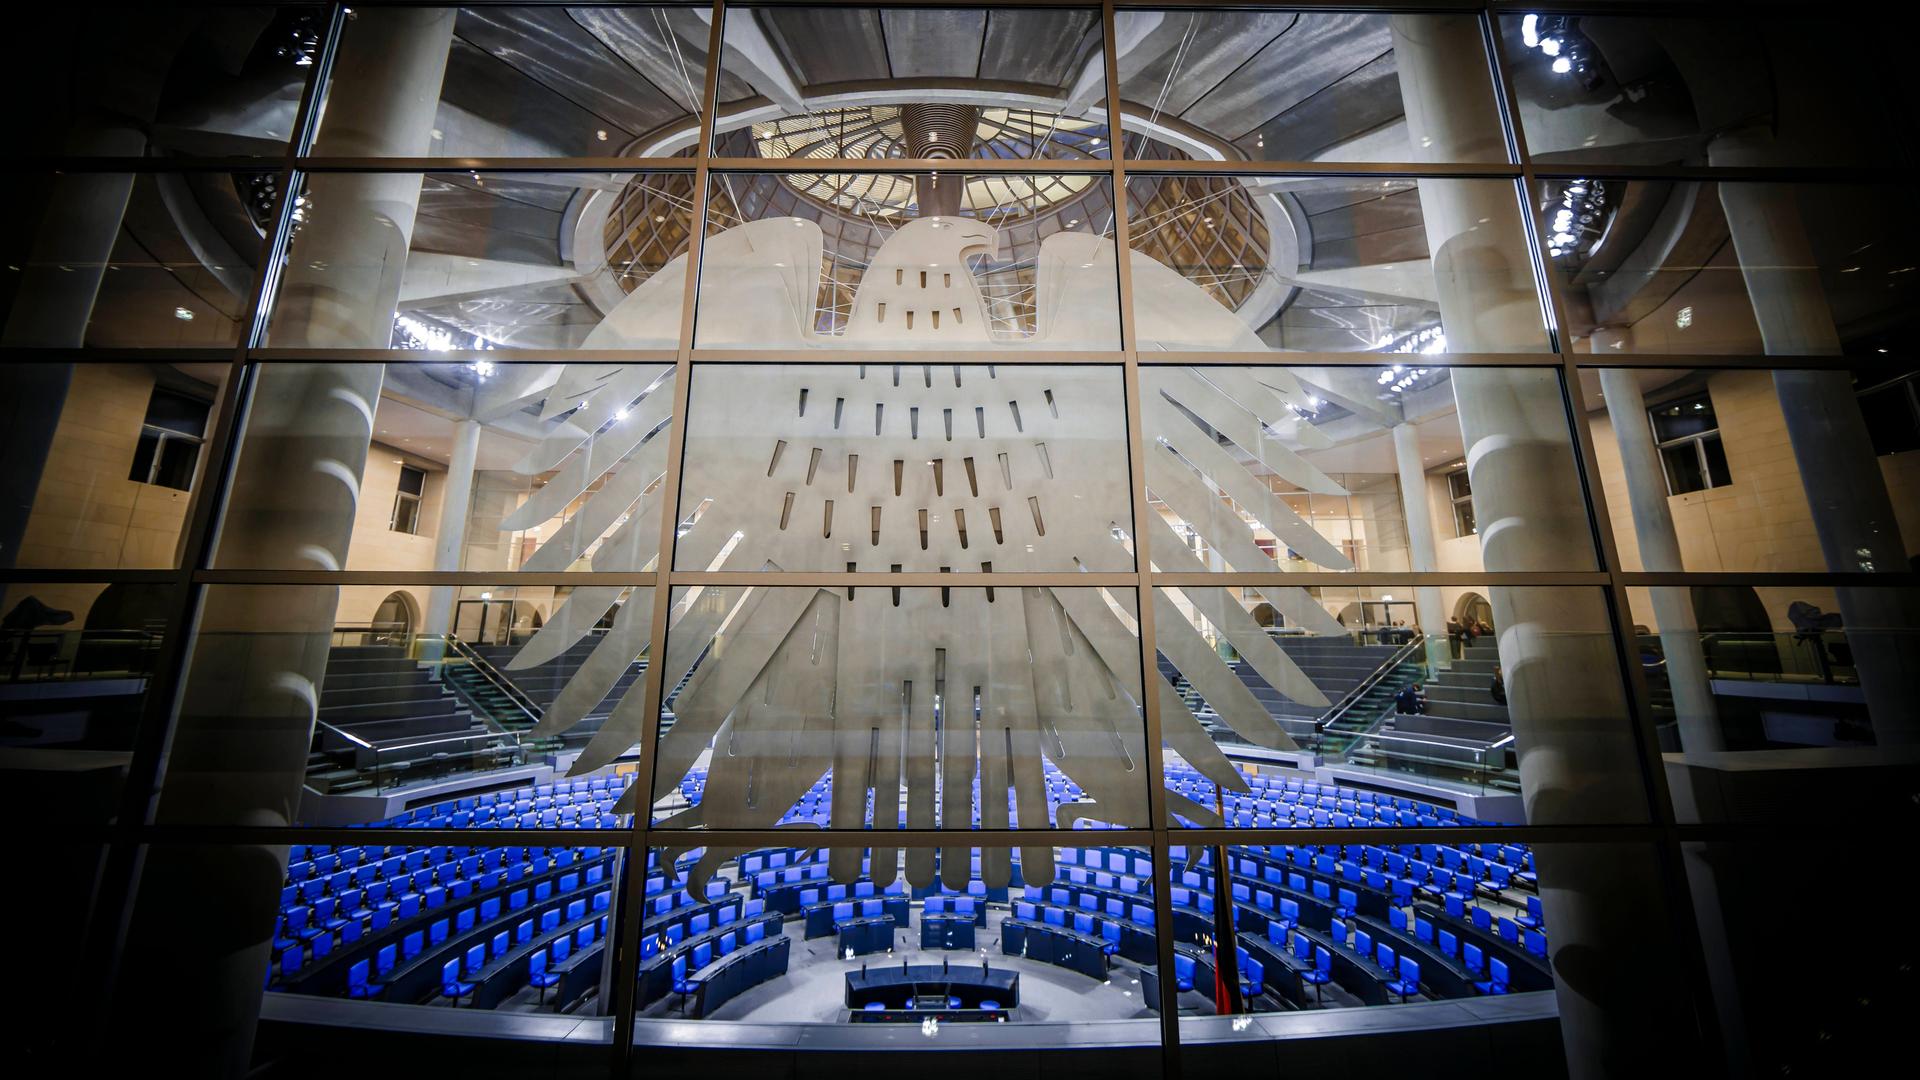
(1470, 701)
(1345, 468)
(75, 662)
(1330, 264)
(164, 81)
(902, 261)
(533, 81)
(404, 686)
(1760, 691)
(117, 260)
(1715, 452)
(1770, 1033)
(544, 467)
(850, 82)
(1743, 268)
(485, 261)
(1262, 931)
(1305, 86)
(861, 948)
(915, 467)
(368, 947)
(83, 489)
(1636, 90)
(1796, 482)
(910, 696)
(1683, 468)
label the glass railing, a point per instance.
(388, 765)
(66, 655)
(1451, 763)
(1811, 656)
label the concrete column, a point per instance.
(1422, 556)
(450, 536)
(1660, 553)
(52, 306)
(200, 943)
(1565, 689)
(1852, 513)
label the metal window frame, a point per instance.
(1698, 439)
(133, 829)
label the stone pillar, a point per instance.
(1565, 689)
(1422, 556)
(1852, 513)
(200, 942)
(1660, 553)
(450, 536)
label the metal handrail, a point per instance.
(525, 704)
(1352, 698)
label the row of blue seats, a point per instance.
(1472, 958)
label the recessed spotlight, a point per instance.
(183, 314)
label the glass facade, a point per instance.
(1392, 534)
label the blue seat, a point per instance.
(1363, 943)
(875, 1006)
(1496, 982)
(1383, 955)
(1322, 971)
(1535, 917)
(1449, 944)
(1348, 905)
(538, 976)
(450, 984)
(499, 945)
(1536, 942)
(1473, 959)
(989, 1005)
(683, 985)
(1289, 914)
(437, 933)
(357, 984)
(1183, 969)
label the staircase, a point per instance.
(1462, 728)
(380, 709)
(542, 686)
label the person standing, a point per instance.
(1455, 632)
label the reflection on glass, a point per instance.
(1330, 264)
(914, 467)
(1300, 85)
(1341, 468)
(1264, 929)
(103, 461)
(1714, 471)
(481, 261)
(165, 81)
(1701, 267)
(948, 708)
(848, 82)
(921, 937)
(1463, 699)
(1758, 688)
(1635, 90)
(909, 261)
(537, 81)
(377, 689)
(526, 930)
(115, 260)
(474, 466)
